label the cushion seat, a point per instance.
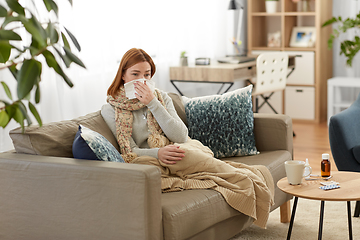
(189, 212)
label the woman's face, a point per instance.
(138, 71)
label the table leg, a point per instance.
(177, 89)
(349, 220)
(292, 218)
(321, 220)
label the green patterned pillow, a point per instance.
(224, 123)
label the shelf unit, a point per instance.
(260, 23)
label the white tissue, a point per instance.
(130, 88)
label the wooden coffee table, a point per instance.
(348, 191)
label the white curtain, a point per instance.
(345, 9)
(107, 29)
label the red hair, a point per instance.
(130, 58)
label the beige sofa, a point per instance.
(47, 194)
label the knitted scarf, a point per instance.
(124, 121)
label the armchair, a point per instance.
(344, 136)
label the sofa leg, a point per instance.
(285, 212)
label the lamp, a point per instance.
(233, 6)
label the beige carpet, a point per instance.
(306, 224)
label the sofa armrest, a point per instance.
(64, 198)
(273, 132)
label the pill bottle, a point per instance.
(325, 165)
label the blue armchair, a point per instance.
(344, 136)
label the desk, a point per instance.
(223, 73)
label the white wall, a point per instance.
(107, 29)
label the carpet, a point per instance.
(306, 223)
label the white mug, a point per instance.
(294, 171)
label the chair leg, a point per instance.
(266, 100)
(357, 209)
(256, 104)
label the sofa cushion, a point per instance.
(224, 123)
(91, 145)
(56, 139)
(179, 106)
(192, 211)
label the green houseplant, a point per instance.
(348, 48)
(49, 41)
(183, 59)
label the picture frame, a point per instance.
(303, 37)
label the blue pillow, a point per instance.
(224, 123)
(93, 146)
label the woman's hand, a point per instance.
(170, 154)
(143, 93)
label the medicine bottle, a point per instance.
(325, 165)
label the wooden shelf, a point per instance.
(261, 23)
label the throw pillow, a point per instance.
(91, 145)
(224, 123)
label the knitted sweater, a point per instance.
(171, 124)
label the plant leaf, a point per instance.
(5, 50)
(65, 59)
(73, 57)
(71, 2)
(73, 39)
(27, 77)
(35, 113)
(19, 117)
(10, 19)
(37, 94)
(66, 43)
(51, 62)
(51, 5)
(7, 90)
(36, 33)
(13, 71)
(4, 119)
(330, 21)
(3, 11)
(52, 33)
(16, 7)
(9, 35)
(24, 112)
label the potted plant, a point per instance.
(183, 59)
(49, 41)
(347, 47)
(271, 6)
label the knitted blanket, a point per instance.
(248, 189)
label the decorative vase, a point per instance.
(271, 6)
(183, 61)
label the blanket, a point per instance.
(248, 189)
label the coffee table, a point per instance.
(348, 191)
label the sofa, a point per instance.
(47, 194)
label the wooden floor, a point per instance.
(310, 141)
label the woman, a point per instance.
(149, 131)
(135, 137)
